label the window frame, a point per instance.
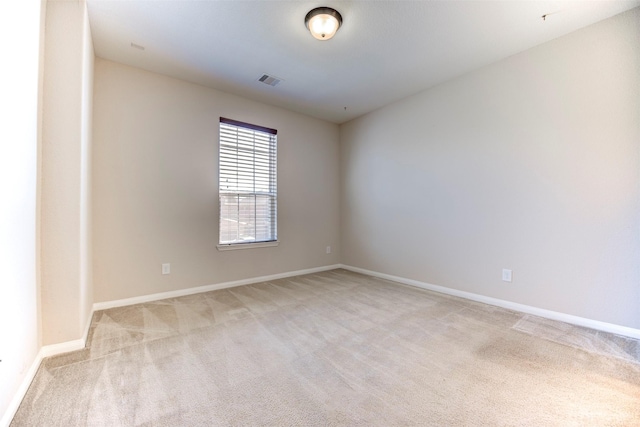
(271, 180)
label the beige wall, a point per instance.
(86, 132)
(530, 164)
(65, 235)
(19, 133)
(155, 186)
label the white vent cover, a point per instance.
(269, 80)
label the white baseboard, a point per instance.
(79, 344)
(548, 314)
(45, 351)
(52, 350)
(67, 346)
(207, 288)
(22, 390)
(63, 347)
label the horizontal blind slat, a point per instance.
(247, 183)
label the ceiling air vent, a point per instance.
(269, 80)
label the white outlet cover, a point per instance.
(507, 275)
(166, 268)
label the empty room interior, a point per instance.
(320, 213)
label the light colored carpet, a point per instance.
(335, 348)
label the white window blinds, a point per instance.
(247, 183)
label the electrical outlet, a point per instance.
(506, 275)
(328, 249)
(166, 268)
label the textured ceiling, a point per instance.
(385, 50)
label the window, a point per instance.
(247, 185)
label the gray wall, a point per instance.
(530, 164)
(155, 195)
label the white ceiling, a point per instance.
(384, 51)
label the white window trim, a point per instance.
(260, 244)
(237, 246)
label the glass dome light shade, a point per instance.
(323, 22)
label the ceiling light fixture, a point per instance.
(323, 22)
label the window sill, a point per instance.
(237, 246)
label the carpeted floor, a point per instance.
(335, 348)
